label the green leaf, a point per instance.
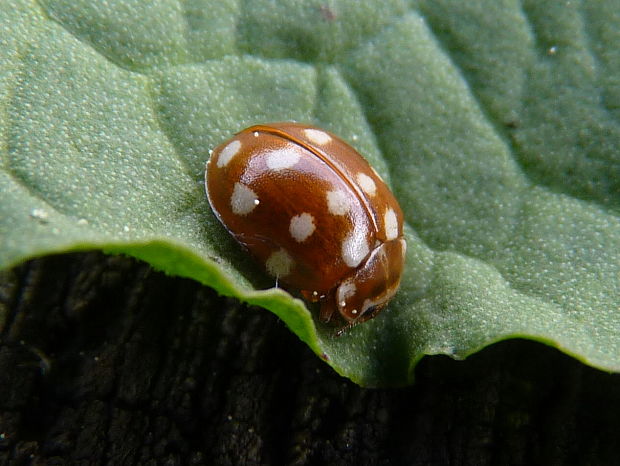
(495, 122)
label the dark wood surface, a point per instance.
(104, 361)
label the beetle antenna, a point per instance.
(348, 326)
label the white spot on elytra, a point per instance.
(366, 183)
(355, 247)
(345, 291)
(243, 200)
(390, 222)
(317, 136)
(279, 159)
(337, 202)
(302, 226)
(279, 264)
(228, 153)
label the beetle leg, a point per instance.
(363, 318)
(328, 308)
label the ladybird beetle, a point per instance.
(314, 213)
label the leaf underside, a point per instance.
(494, 122)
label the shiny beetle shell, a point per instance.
(314, 213)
